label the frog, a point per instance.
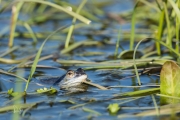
(71, 82)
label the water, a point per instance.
(50, 106)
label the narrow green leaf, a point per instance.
(176, 9)
(15, 107)
(133, 22)
(73, 24)
(164, 110)
(155, 104)
(177, 28)
(67, 101)
(151, 5)
(138, 93)
(162, 43)
(169, 36)
(33, 68)
(117, 43)
(7, 73)
(15, 14)
(170, 81)
(91, 111)
(78, 105)
(72, 47)
(77, 16)
(27, 26)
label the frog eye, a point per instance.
(70, 74)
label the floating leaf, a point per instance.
(52, 91)
(170, 82)
(113, 108)
(46, 90)
(12, 93)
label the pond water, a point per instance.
(105, 31)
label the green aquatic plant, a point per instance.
(33, 67)
(170, 82)
(91, 111)
(16, 107)
(77, 16)
(27, 26)
(113, 108)
(138, 93)
(20, 3)
(117, 44)
(131, 45)
(14, 94)
(67, 101)
(73, 24)
(46, 90)
(168, 20)
(162, 32)
(14, 17)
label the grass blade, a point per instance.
(133, 27)
(31, 32)
(7, 73)
(91, 111)
(155, 104)
(176, 9)
(159, 32)
(77, 16)
(177, 29)
(135, 67)
(15, 13)
(169, 37)
(117, 44)
(139, 93)
(73, 24)
(16, 107)
(33, 68)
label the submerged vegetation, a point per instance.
(130, 68)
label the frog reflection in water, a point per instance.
(72, 81)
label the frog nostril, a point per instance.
(80, 70)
